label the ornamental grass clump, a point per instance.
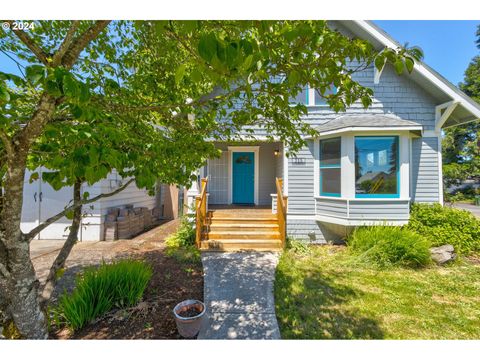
(387, 246)
(98, 290)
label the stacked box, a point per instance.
(147, 219)
(127, 222)
(123, 227)
(124, 213)
(114, 211)
(156, 213)
(111, 232)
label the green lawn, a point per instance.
(324, 294)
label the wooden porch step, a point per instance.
(257, 219)
(242, 214)
(214, 226)
(241, 244)
(243, 234)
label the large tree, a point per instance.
(192, 81)
(461, 144)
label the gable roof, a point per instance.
(466, 109)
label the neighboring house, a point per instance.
(366, 167)
(40, 202)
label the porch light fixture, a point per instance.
(276, 152)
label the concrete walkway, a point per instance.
(238, 293)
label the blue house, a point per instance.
(366, 167)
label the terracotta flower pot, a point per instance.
(189, 326)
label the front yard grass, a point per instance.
(325, 294)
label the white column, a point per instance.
(348, 166)
(404, 152)
(192, 193)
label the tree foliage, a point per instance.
(461, 144)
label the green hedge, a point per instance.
(445, 225)
(387, 246)
(98, 290)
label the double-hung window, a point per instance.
(311, 97)
(376, 167)
(330, 168)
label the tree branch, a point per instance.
(29, 236)
(30, 43)
(6, 143)
(57, 58)
(79, 43)
(59, 262)
(40, 117)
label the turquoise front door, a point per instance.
(243, 173)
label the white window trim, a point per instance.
(255, 150)
(347, 162)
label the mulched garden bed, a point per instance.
(172, 281)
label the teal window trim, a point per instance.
(328, 166)
(383, 196)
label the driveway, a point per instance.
(475, 210)
(238, 293)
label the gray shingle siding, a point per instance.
(425, 175)
(300, 182)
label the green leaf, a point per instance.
(293, 78)
(35, 73)
(207, 46)
(4, 94)
(248, 62)
(33, 177)
(112, 84)
(70, 87)
(196, 75)
(69, 215)
(76, 111)
(409, 64)
(398, 66)
(379, 62)
(180, 73)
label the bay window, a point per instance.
(376, 166)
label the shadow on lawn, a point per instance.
(317, 311)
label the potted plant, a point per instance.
(189, 315)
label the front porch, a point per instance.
(232, 227)
(244, 174)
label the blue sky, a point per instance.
(448, 45)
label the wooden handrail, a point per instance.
(200, 212)
(282, 203)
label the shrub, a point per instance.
(300, 247)
(387, 246)
(184, 236)
(445, 225)
(181, 244)
(98, 290)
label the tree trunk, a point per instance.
(72, 238)
(21, 295)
